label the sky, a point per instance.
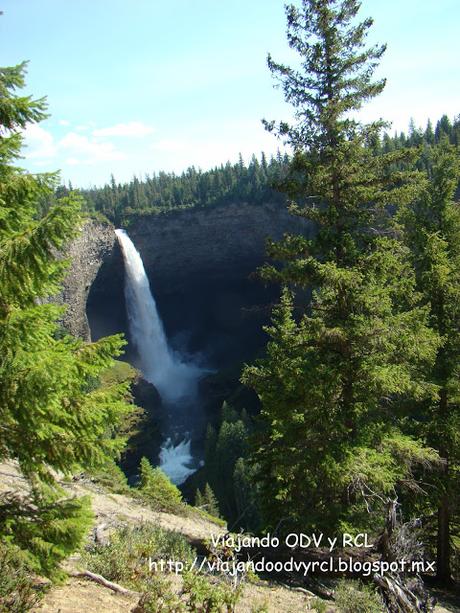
(137, 87)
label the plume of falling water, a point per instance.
(174, 379)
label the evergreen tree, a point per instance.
(210, 501)
(330, 438)
(432, 228)
(334, 170)
(199, 499)
(429, 133)
(54, 414)
(157, 488)
(246, 497)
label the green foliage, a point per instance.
(198, 498)
(126, 557)
(207, 501)
(323, 383)
(227, 184)
(246, 495)
(199, 593)
(320, 606)
(119, 372)
(432, 231)
(159, 597)
(228, 413)
(54, 414)
(111, 477)
(46, 529)
(355, 597)
(226, 469)
(255, 183)
(336, 374)
(334, 172)
(223, 449)
(157, 489)
(18, 593)
(203, 594)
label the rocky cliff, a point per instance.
(86, 253)
(199, 262)
(213, 243)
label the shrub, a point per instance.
(112, 477)
(209, 596)
(159, 597)
(126, 557)
(355, 597)
(17, 591)
(199, 593)
(318, 605)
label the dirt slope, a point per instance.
(84, 596)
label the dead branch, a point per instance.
(86, 574)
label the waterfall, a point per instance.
(175, 380)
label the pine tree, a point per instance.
(331, 439)
(54, 414)
(157, 488)
(334, 172)
(199, 499)
(210, 501)
(246, 497)
(432, 228)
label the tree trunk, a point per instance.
(443, 570)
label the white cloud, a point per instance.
(82, 150)
(78, 149)
(133, 129)
(40, 143)
(64, 122)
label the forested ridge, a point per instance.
(257, 182)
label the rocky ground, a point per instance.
(81, 595)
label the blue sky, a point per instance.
(148, 85)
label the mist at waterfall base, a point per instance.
(175, 377)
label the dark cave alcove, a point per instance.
(218, 317)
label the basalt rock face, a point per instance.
(200, 264)
(210, 243)
(87, 253)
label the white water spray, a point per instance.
(176, 459)
(174, 379)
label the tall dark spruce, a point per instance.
(331, 451)
(55, 415)
(432, 230)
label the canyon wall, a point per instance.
(86, 253)
(200, 264)
(219, 242)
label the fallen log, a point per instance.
(115, 587)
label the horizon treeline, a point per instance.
(256, 182)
